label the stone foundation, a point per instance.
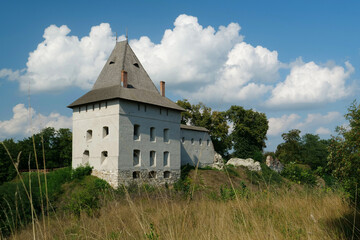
(141, 176)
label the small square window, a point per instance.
(136, 158)
(88, 135)
(136, 132)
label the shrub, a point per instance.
(299, 175)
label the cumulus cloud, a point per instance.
(197, 62)
(312, 123)
(309, 83)
(203, 64)
(19, 124)
(62, 60)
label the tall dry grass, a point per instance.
(281, 214)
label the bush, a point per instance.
(299, 175)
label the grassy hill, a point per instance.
(204, 204)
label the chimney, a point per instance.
(162, 88)
(124, 78)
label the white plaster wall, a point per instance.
(193, 152)
(95, 118)
(132, 113)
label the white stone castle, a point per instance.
(128, 131)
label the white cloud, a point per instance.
(19, 124)
(312, 123)
(187, 53)
(323, 131)
(309, 83)
(62, 60)
(282, 124)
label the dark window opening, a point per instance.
(166, 159)
(152, 174)
(167, 174)
(152, 158)
(105, 131)
(136, 174)
(136, 158)
(111, 62)
(136, 65)
(88, 135)
(136, 132)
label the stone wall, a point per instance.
(126, 177)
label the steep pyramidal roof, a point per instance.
(140, 87)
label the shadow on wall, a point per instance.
(187, 159)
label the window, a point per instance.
(167, 174)
(136, 65)
(86, 156)
(79, 109)
(192, 141)
(152, 174)
(136, 174)
(105, 131)
(160, 111)
(145, 108)
(200, 142)
(88, 135)
(152, 158)
(93, 107)
(105, 104)
(182, 139)
(111, 62)
(208, 142)
(166, 159)
(152, 134)
(136, 132)
(139, 106)
(136, 158)
(104, 155)
(166, 135)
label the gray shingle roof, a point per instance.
(140, 86)
(194, 128)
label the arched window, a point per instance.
(166, 159)
(136, 132)
(86, 156)
(136, 158)
(152, 158)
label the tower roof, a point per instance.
(140, 87)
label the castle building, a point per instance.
(128, 131)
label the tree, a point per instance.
(249, 131)
(7, 169)
(215, 121)
(314, 151)
(344, 152)
(289, 151)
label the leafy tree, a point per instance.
(289, 151)
(7, 169)
(249, 133)
(202, 116)
(344, 149)
(314, 151)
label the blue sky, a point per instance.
(297, 61)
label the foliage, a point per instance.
(266, 176)
(7, 169)
(15, 196)
(344, 149)
(308, 149)
(289, 151)
(152, 235)
(298, 174)
(202, 116)
(249, 133)
(184, 183)
(86, 196)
